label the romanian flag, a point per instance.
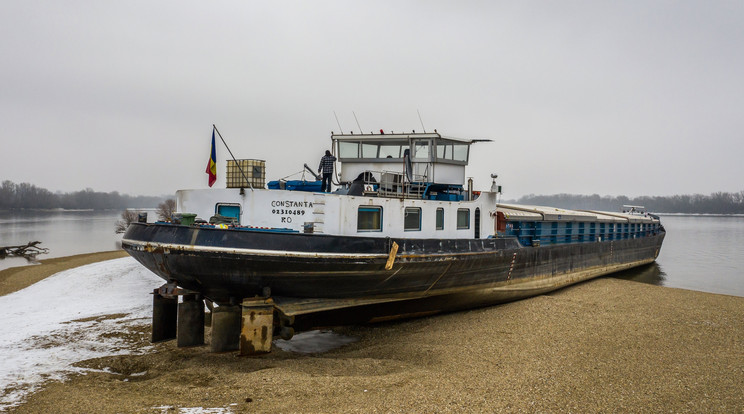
(212, 164)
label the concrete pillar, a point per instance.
(257, 329)
(225, 328)
(190, 321)
(163, 317)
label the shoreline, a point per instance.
(19, 277)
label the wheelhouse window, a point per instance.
(348, 149)
(412, 219)
(440, 218)
(369, 218)
(355, 150)
(463, 218)
(460, 152)
(369, 150)
(390, 151)
(421, 150)
(452, 151)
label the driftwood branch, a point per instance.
(29, 250)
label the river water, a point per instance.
(63, 232)
(701, 253)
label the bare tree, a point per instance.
(127, 218)
(166, 209)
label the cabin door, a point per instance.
(477, 223)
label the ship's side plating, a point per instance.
(517, 262)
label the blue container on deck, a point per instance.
(296, 185)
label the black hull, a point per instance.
(426, 275)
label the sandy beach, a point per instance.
(607, 345)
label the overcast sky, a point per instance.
(608, 97)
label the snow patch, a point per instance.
(67, 318)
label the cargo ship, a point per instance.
(403, 234)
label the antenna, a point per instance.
(338, 123)
(357, 121)
(233, 157)
(422, 122)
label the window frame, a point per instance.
(368, 209)
(461, 210)
(405, 216)
(439, 224)
(217, 207)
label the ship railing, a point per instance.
(634, 210)
(390, 185)
(395, 185)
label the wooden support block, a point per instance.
(257, 330)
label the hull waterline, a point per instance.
(429, 275)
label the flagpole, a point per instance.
(233, 157)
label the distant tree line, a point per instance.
(716, 203)
(25, 195)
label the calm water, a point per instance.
(699, 253)
(64, 233)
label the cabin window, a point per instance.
(348, 150)
(369, 218)
(460, 152)
(392, 151)
(440, 219)
(445, 151)
(412, 219)
(369, 150)
(463, 218)
(228, 210)
(421, 150)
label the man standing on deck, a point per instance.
(326, 166)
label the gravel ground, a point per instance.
(607, 345)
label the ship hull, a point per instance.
(427, 275)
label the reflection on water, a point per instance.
(650, 273)
(63, 232)
(699, 253)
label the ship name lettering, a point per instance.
(291, 203)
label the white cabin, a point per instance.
(388, 185)
(401, 186)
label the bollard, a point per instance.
(225, 328)
(257, 328)
(190, 321)
(163, 317)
